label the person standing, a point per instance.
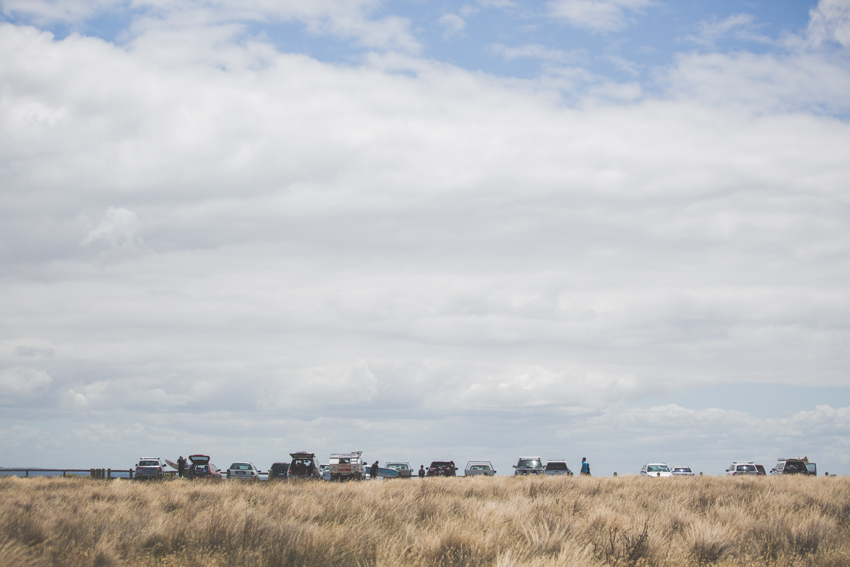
(374, 470)
(585, 466)
(421, 471)
(181, 466)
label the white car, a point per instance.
(655, 470)
(683, 471)
(742, 468)
(243, 471)
(150, 468)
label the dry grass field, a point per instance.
(498, 521)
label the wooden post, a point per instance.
(228, 473)
(27, 474)
(109, 474)
(131, 473)
(63, 474)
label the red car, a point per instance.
(202, 468)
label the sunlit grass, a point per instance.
(498, 521)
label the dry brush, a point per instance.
(498, 521)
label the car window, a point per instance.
(658, 468)
(530, 463)
(556, 466)
(148, 464)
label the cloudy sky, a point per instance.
(617, 229)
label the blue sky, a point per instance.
(603, 228)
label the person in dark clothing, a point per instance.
(374, 470)
(181, 466)
(421, 471)
(585, 466)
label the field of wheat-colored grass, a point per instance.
(500, 521)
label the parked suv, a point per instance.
(442, 468)
(790, 466)
(278, 471)
(741, 468)
(558, 468)
(529, 465)
(304, 465)
(149, 468)
(655, 470)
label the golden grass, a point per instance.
(498, 521)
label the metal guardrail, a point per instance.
(98, 474)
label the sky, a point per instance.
(613, 229)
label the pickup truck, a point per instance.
(346, 466)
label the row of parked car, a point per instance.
(737, 468)
(351, 466)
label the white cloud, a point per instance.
(486, 252)
(347, 19)
(830, 21)
(597, 15)
(536, 51)
(22, 384)
(740, 26)
(453, 25)
(116, 229)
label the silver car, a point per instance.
(558, 468)
(150, 468)
(479, 468)
(243, 471)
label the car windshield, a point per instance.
(682, 469)
(240, 467)
(440, 464)
(480, 468)
(148, 464)
(556, 466)
(657, 468)
(529, 464)
(746, 468)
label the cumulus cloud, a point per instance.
(346, 19)
(453, 25)
(22, 384)
(597, 15)
(31, 351)
(405, 253)
(741, 26)
(536, 51)
(830, 21)
(117, 228)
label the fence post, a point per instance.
(109, 474)
(63, 474)
(27, 474)
(228, 473)
(131, 473)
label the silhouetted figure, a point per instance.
(181, 466)
(585, 466)
(421, 471)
